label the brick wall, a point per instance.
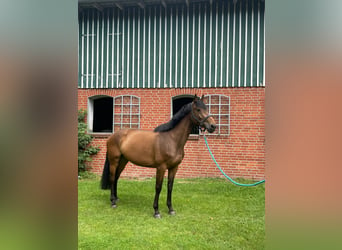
(241, 154)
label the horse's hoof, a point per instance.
(172, 212)
(114, 206)
(157, 216)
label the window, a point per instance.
(178, 102)
(219, 108)
(100, 114)
(126, 112)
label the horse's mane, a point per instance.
(175, 119)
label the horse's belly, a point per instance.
(139, 156)
(138, 148)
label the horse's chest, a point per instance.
(169, 152)
(175, 158)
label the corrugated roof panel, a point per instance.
(200, 45)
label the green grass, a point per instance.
(211, 214)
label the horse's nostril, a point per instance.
(212, 127)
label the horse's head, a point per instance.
(201, 116)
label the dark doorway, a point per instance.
(178, 103)
(103, 115)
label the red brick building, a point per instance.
(139, 63)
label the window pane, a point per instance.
(126, 112)
(218, 106)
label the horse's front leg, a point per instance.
(171, 176)
(159, 185)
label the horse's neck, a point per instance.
(182, 131)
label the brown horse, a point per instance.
(162, 149)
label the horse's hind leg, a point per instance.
(114, 158)
(121, 165)
(113, 166)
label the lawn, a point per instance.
(211, 214)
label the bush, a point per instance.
(85, 150)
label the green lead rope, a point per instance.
(236, 183)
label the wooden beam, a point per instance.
(164, 3)
(118, 5)
(141, 4)
(97, 6)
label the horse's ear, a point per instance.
(195, 98)
(202, 97)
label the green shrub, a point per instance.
(85, 150)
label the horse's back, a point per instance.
(137, 138)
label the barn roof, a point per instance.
(100, 4)
(171, 43)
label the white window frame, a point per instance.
(90, 113)
(130, 114)
(223, 100)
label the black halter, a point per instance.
(200, 122)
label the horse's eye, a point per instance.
(198, 110)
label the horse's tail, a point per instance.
(105, 183)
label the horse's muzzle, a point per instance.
(210, 127)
